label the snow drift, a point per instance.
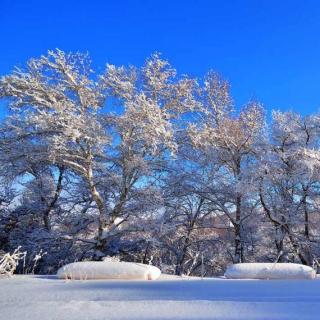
(269, 271)
(89, 270)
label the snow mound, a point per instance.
(90, 270)
(269, 271)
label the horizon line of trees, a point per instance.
(150, 166)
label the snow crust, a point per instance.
(91, 270)
(269, 271)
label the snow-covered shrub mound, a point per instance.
(89, 270)
(269, 271)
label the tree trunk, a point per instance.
(297, 250)
(238, 252)
(238, 247)
(102, 221)
(46, 214)
(182, 256)
(306, 213)
(280, 233)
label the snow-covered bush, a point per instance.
(269, 271)
(9, 262)
(91, 270)
(111, 259)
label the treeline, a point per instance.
(153, 167)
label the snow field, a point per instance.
(43, 298)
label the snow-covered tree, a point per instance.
(289, 185)
(59, 120)
(233, 141)
(151, 166)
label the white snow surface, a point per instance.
(269, 271)
(89, 270)
(49, 298)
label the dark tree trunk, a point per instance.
(46, 214)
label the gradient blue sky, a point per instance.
(268, 50)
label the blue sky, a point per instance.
(268, 50)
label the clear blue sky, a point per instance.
(268, 50)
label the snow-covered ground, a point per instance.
(47, 298)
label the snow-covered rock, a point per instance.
(89, 270)
(269, 271)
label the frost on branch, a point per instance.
(153, 98)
